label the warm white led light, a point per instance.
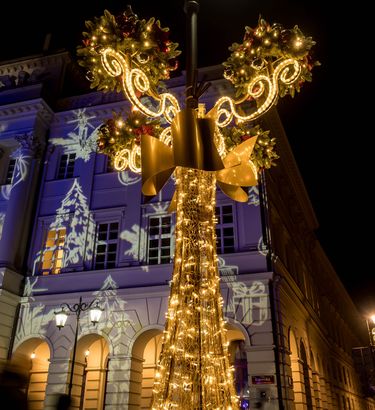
(135, 81)
(262, 86)
(128, 158)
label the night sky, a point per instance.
(327, 130)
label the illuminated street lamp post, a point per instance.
(201, 150)
(61, 317)
(370, 321)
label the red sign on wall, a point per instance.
(263, 379)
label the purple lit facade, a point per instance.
(71, 227)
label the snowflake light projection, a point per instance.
(80, 141)
(134, 55)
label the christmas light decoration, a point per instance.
(120, 139)
(145, 43)
(263, 155)
(261, 52)
(193, 371)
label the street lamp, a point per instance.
(370, 321)
(62, 315)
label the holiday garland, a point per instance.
(117, 134)
(145, 42)
(263, 155)
(264, 46)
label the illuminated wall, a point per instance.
(92, 234)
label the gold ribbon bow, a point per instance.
(193, 147)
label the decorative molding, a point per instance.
(31, 64)
(21, 109)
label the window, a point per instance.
(106, 245)
(224, 229)
(66, 166)
(10, 171)
(53, 252)
(159, 239)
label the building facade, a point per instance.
(71, 227)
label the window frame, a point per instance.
(221, 226)
(10, 172)
(57, 249)
(159, 237)
(67, 170)
(108, 242)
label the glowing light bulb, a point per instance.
(298, 43)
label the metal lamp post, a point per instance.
(62, 316)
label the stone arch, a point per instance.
(306, 376)
(296, 369)
(317, 385)
(32, 357)
(91, 371)
(234, 325)
(293, 345)
(145, 353)
(32, 336)
(324, 387)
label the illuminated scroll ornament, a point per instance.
(146, 44)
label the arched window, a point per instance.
(306, 377)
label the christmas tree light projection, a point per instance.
(202, 150)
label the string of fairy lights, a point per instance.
(124, 52)
(194, 370)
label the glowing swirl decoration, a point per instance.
(271, 62)
(262, 50)
(166, 136)
(128, 158)
(145, 42)
(261, 88)
(132, 157)
(120, 139)
(135, 82)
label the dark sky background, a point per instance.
(327, 129)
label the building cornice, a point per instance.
(37, 107)
(31, 63)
